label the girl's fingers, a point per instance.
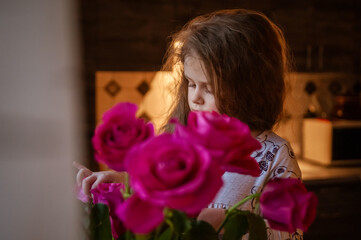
(79, 166)
(97, 182)
(82, 173)
(104, 177)
(88, 183)
(108, 177)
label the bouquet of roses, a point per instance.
(173, 176)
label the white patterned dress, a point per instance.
(276, 159)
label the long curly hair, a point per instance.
(246, 59)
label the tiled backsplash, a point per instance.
(150, 91)
(299, 100)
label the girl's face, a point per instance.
(200, 93)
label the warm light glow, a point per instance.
(159, 99)
(339, 113)
(177, 44)
(177, 64)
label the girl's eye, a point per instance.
(192, 85)
(209, 90)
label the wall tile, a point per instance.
(146, 89)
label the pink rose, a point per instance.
(140, 216)
(287, 205)
(110, 195)
(119, 132)
(229, 140)
(174, 173)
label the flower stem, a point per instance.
(244, 200)
(126, 183)
(127, 191)
(256, 209)
(255, 195)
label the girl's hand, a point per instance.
(87, 180)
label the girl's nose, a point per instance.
(197, 98)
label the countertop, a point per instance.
(314, 172)
(338, 190)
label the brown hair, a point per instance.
(246, 59)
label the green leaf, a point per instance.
(181, 223)
(236, 225)
(166, 235)
(257, 227)
(142, 236)
(201, 230)
(100, 223)
(127, 236)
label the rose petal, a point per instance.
(287, 205)
(140, 216)
(124, 109)
(239, 162)
(281, 219)
(108, 193)
(307, 211)
(228, 140)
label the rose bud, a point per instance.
(287, 205)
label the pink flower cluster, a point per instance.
(181, 171)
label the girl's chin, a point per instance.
(204, 111)
(198, 110)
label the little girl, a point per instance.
(233, 62)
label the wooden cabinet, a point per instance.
(339, 209)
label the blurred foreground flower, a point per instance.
(228, 139)
(118, 133)
(174, 173)
(140, 216)
(174, 176)
(287, 205)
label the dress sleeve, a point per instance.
(284, 164)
